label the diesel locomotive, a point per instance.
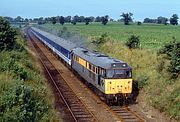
(110, 78)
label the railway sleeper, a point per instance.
(77, 107)
(79, 112)
(74, 102)
(84, 116)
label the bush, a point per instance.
(7, 35)
(19, 104)
(133, 42)
(142, 80)
(101, 40)
(62, 32)
(172, 50)
(139, 23)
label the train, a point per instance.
(109, 78)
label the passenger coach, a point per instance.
(59, 45)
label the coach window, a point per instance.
(99, 72)
(96, 70)
(93, 68)
(90, 66)
(78, 59)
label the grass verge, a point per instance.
(24, 94)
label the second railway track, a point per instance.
(76, 108)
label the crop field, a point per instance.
(152, 36)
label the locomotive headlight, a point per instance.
(129, 82)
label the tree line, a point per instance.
(125, 17)
(61, 19)
(163, 20)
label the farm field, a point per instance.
(157, 88)
(152, 36)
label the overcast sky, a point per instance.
(140, 8)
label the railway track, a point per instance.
(126, 114)
(76, 109)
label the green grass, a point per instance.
(159, 90)
(151, 35)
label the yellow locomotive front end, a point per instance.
(118, 86)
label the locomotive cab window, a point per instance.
(102, 72)
(118, 73)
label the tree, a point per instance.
(26, 20)
(87, 20)
(148, 20)
(68, 19)
(41, 21)
(53, 20)
(9, 19)
(111, 20)
(174, 19)
(47, 20)
(133, 42)
(104, 19)
(75, 20)
(30, 20)
(162, 20)
(98, 19)
(61, 20)
(18, 19)
(81, 19)
(7, 35)
(127, 17)
(36, 20)
(91, 19)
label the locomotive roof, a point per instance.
(99, 59)
(60, 41)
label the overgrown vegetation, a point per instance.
(24, 96)
(133, 42)
(159, 89)
(172, 51)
